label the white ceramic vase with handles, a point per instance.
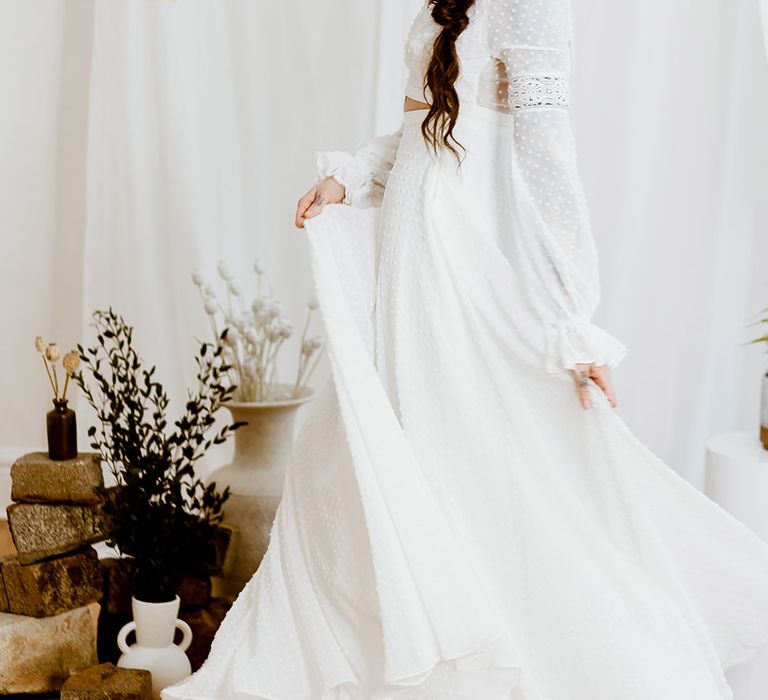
(255, 478)
(154, 650)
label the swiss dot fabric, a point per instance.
(454, 525)
(515, 59)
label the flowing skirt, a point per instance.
(454, 525)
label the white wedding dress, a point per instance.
(454, 525)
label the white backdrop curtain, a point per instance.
(146, 138)
(764, 13)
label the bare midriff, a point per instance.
(412, 105)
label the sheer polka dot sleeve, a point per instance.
(531, 43)
(363, 173)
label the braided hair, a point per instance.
(442, 73)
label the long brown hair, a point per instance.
(442, 73)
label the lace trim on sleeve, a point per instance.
(538, 91)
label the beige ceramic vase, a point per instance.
(255, 478)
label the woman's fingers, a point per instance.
(304, 204)
(603, 379)
(316, 205)
(311, 204)
(601, 376)
(581, 375)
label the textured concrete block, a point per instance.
(38, 654)
(42, 530)
(53, 586)
(37, 479)
(108, 682)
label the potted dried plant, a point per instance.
(160, 516)
(61, 422)
(257, 333)
(764, 403)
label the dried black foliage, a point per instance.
(160, 515)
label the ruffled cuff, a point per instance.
(578, 341)
(347, 170)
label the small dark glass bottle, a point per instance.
(62, 432)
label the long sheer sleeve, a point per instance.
(530, 43)
(364, 172)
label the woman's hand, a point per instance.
(600, 375)
(311, 204)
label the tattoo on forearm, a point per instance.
(319, 201)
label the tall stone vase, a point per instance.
(255, 479)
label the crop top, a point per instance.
(513, 55)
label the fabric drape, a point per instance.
(200, 120)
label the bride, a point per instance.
(465, 516)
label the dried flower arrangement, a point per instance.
(50, 355)
(61, 422)
(160, 515)
(254, 335)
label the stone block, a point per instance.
(42, 530)
(37, 479)
(108, 682)
(226, 549)
(37, 654)
(50, 587)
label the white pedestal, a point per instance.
(737, 479)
